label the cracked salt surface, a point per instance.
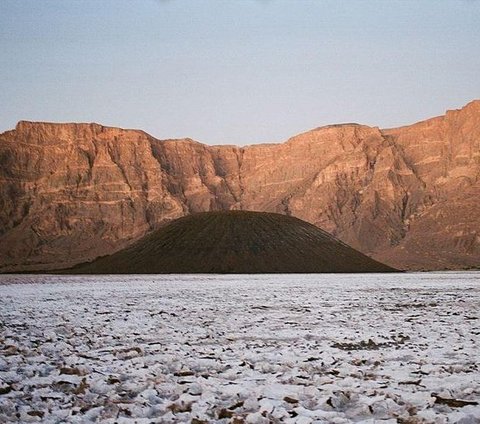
(396, 348)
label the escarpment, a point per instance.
(405, 196)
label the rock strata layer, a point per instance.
(406, 196)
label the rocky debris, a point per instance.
(454, 403)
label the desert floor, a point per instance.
(262, 348)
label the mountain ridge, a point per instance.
(72, 192)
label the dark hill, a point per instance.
(235, 242)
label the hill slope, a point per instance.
(235, 242)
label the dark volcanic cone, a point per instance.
(235, 242)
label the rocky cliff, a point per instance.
(405, 196)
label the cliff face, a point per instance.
(443, 229)
(406, 196)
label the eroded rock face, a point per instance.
(406, 196)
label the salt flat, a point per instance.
(262, 348)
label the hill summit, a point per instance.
(235, 242)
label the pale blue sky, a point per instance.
(236, 71)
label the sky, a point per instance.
(236, 71)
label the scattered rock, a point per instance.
(453, 403)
